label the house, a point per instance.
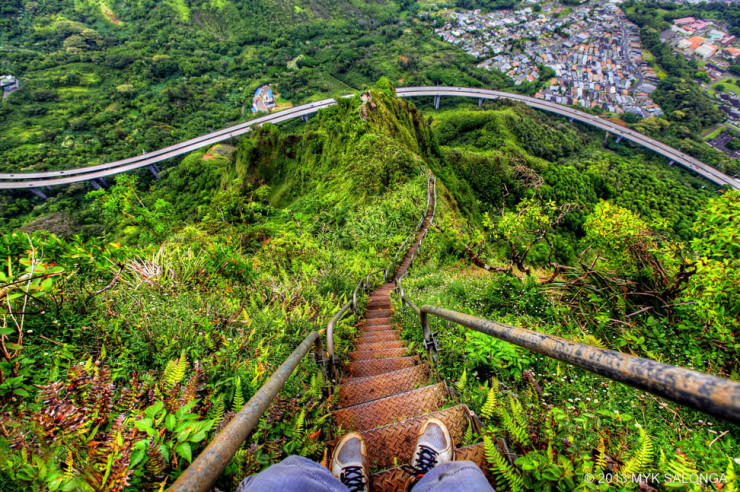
(684, 20)
(9, 83)
(706, 50)
(263, 100)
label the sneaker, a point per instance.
(349, 463)
(433, 447)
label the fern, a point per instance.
(509, 421)
(601, 460)
(463, 379)
(643, 457)
(732, 478)
(680, 465)
(491, 400)
(317, 383)
(299, 421)
(69, 465)
(175, 371)
(217, 410)
(238, 402)
(468, 437)
(501, 468)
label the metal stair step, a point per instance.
(377, 354)
(395, 479)
(365, 346)
(384, 325)
(375, 313)
(393, 408)
(359, 390)
(360, 368)
(397, 441)
(378, 336)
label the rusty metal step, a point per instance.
(395, 479)
(378, 336)
(364, 346)
(369, 323)
(361, 368)
(377, 354)
(391, 409)
(371, 328)
(358, 390)
(393, 444)
(378, 313)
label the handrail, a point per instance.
(205, 470)
(709, 394)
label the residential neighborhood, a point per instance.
(594, 51)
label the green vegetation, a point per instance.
(105, 80)
(137, 319)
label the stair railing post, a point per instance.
(429, 341)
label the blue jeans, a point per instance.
(299, 474)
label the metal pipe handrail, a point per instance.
(709, 394)
(205, 470)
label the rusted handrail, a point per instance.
(205, 470)
(709, 394)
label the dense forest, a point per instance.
(137, 319)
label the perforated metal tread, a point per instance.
(378, 312)
(393, 408)
(357, 390)
(395, 479)
(397, 441)
(386, 325)
(360, 368)
(379, 336)
(377, 354)
(381, 345)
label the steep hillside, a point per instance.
(181, 296)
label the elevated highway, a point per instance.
(37, 180)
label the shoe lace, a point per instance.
(426, 459)
(353, 477)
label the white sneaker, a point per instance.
(349, 463)
(433, 447)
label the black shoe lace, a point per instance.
(426, 460)
(353, 477)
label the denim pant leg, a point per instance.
(293, 474)
(454, 476)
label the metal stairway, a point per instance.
(387, 394)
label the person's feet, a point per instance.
(349, 463)
(433, 447)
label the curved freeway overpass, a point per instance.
(9, 181)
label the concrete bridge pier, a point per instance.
(95, 184)
(154, 170)
(480, 101)
(39, 193)
(670, 163)
(436, 101)
(570, 119)
(305, 118)
(619, 138)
